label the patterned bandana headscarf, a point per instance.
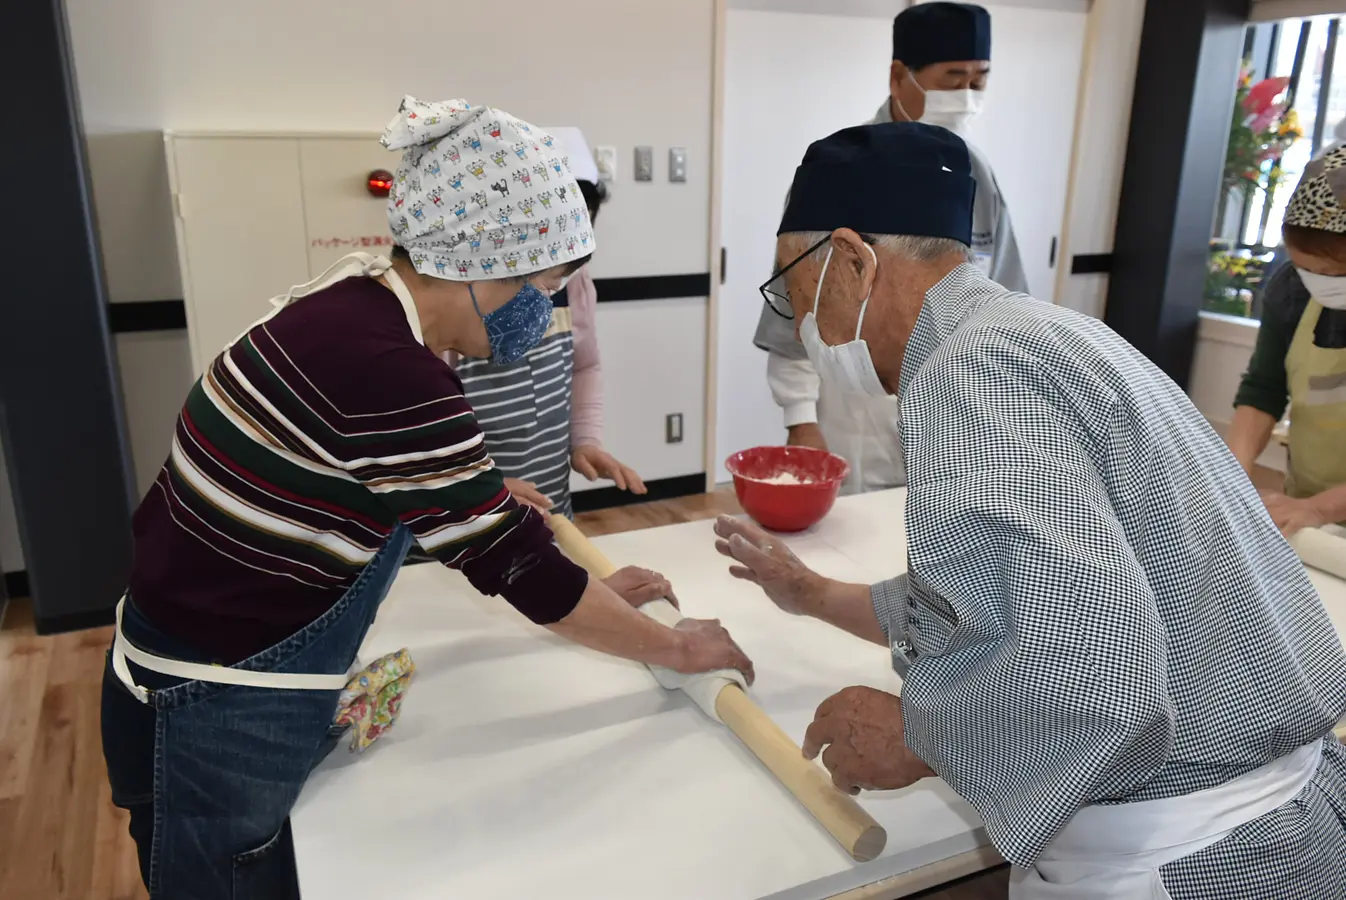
(1320, 199)
(481, 194)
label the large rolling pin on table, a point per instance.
(856, 830)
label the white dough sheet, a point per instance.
(702, 689)
(1323, 549)
(523, 764)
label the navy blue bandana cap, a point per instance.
(895, 178)
(941, 32)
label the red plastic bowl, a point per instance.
(787, 507)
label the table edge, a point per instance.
(926, 877)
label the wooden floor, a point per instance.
(60, 836)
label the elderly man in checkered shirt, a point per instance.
(1107, 647)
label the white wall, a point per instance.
(1026, 129)
(1102, 126)
(1224, 346)
(672, 369)
(626, 73)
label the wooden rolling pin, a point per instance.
(856, 831)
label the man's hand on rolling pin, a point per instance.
(769, 564)
(861, 729)
(527, 493)
(707, 646)
(639, 586)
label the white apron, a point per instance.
(353, 266)
(863, 431)
(1115, 852)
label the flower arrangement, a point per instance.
(1231, 280)
(1263, 128)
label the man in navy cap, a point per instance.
(941, 65)
(1106, 646)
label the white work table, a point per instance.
(523, 765)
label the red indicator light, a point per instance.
(380, 182)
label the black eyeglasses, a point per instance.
(774, 291)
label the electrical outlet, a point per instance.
(644, 164)
(677, 165)
(606, 160)
(673, 428)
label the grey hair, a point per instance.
(906, 246)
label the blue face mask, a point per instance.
(516, 327)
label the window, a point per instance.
(1291, 102)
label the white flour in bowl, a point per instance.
(783, 478)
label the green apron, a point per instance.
(1317, 380)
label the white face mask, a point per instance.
(1329, 290)
(848, 366)
(950, 109)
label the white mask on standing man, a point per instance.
(951, 109)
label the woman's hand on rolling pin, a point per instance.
(707, 646)
(639, 586)
(862, 730)
(770, 565)
(527, 493)
(593, 462)
(1291, 515)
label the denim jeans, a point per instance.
(209, 772)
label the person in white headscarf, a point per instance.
(317, 448)
(543, 415)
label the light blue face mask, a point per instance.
(516, 327)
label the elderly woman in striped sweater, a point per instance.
(313, 453)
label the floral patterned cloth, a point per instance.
(373, 698)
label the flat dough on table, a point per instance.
(1322, 548)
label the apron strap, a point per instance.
(350, 266)
(123, 649)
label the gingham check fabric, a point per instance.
(1098, 608)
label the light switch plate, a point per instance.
(673, 428)
(606, 160)
(644, 164)
(677, 164)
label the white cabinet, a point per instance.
(259, 213)
(340, 215)
(240, 224)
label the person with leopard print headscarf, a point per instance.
(1300, 358)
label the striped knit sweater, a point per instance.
(295, 457)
